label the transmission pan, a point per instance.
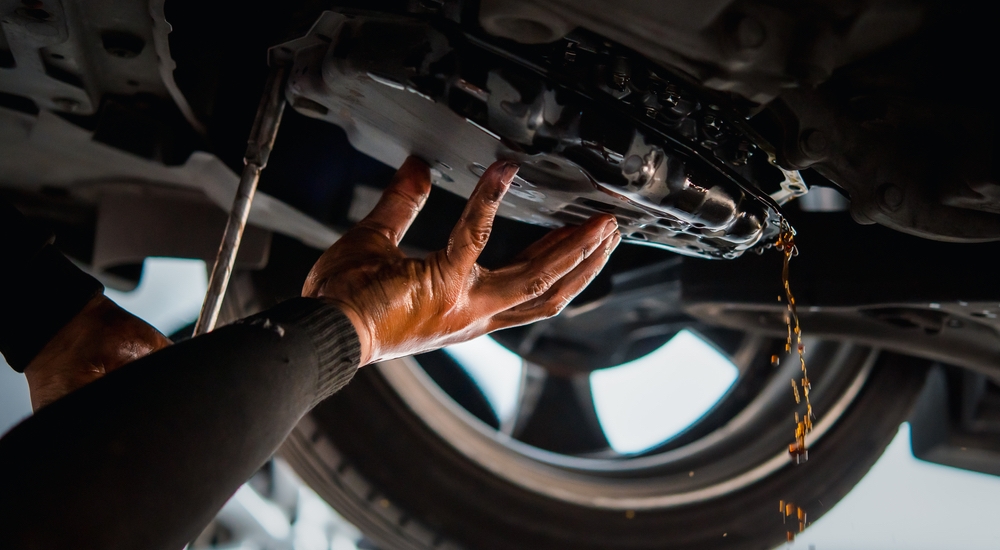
(595, 131)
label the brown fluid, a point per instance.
(789, 509)
(786, 244)
(803, 425)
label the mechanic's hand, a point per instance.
(402, 306)
(100, 339)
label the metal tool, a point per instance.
(259, 145)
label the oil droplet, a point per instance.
(629, 514)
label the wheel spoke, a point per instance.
(457, 383)
(560, 415)
(532, 381)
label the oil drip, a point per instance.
(796, 513)
(803, 424)
(786, 244)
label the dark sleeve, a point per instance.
(40, 290)
(144, 457)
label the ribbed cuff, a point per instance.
(338, 349)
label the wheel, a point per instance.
(413, 454)
(414, 470)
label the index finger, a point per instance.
(470, 234)
(401, 201)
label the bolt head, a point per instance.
(890, 196)
(814, 142)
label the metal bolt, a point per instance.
(813, 142)
(890, 196)
(619, 80)
(620, 75)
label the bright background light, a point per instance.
(495, 369)
(908, 504)
(646, 401)
(169, 295)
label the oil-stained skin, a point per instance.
(398, 305)
(401, 306)
(98, 340)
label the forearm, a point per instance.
(144, 457)
(40, 290)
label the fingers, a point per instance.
(545, 243)
(562, 291)
(473, 229)
(401, 201)
(535, 275)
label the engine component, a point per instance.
(596, 128)
(886, 99)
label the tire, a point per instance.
(411, 454)
(384, 468)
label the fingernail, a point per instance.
(509, 171)
(609, 228)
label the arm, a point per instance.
(56, 325)
(144, 457)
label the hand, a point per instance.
(98, 340)
(402, 306)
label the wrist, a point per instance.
(365, 340)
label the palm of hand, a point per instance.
(401, 305)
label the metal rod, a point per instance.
(259, 145)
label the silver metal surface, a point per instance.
(824, 199)
(676, 193)
(265, 129)
(161, 44)
(792, 187)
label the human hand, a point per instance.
(98, 340)
(402, 306)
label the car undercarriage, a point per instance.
(704, 128)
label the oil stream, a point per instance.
(803, 425)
